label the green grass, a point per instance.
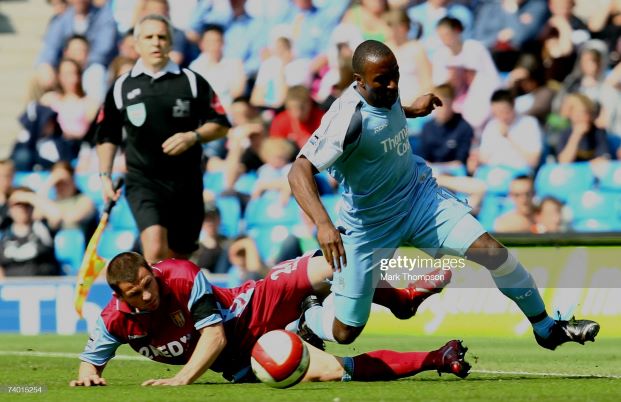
(602, 358)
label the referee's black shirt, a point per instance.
(152, 109)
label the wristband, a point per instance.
(199, 139)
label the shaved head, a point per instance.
(370, 50)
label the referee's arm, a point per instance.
(181, 142)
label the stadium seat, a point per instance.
(230, 213)
(269, 239)
(69, 246)
(268, 211)
(214, 182)
(245, 183)
(121, 216)
(90, 185)
(498, 178)
(610, 176)
(115, 241)
(322, 180)
(592, 204)
(32, 180)
(561, 180)
(491, 208)
(597, 225)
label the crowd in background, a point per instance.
(524, 83)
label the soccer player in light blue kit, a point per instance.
(390, 199)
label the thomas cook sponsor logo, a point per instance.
(177, 318)
(399, 143)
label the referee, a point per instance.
(166, 113)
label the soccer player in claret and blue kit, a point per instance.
(170, 313)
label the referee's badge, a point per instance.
(137, 114)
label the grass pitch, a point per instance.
(504, 369)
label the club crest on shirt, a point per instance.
(177, 318)
(181, 108)
(137, 114)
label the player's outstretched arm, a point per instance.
(422, 106)
(305, 191)
(210, 344)
(89, 375)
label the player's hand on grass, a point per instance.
(164, 381)
(89, 381)
(179, 143)
(331, 244)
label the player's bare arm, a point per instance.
(89, 375)
(210, 344)
(422, 106)
(305, 192)
(181, 142)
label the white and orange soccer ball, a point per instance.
(280, 359)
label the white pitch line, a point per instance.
(528, 373)
(64, 355)
(144, 359)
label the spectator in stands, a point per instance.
(339, 72)
(76, 209)
(445, 143)
(272, 176)
(367, 16)
(27, 246)
(425, 17)
(58, 7)
(588, 78)
(571, 30)
(7, 173)
(300, 118)
(119, 66)
(468, 67)
(447, 138)
(528, 83)
(227, 76)
(506, 26)
(76, 111)
(40, 144)
(213, 247)
(582, 141)
(414, 65)
(245, 37)
(277, 73)
(246, 262)
(209, 12)
(82, 17)
(242, 111)
(244, 145)
(605, 24)
(93, 79)
(127, 46)
(549, 216)
(510, 139)
(522, 218)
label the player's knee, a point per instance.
(488, 252)
(345, 334)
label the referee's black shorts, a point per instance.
(176, 205)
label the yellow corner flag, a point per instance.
(92, 264)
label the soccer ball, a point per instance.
(280, 359)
